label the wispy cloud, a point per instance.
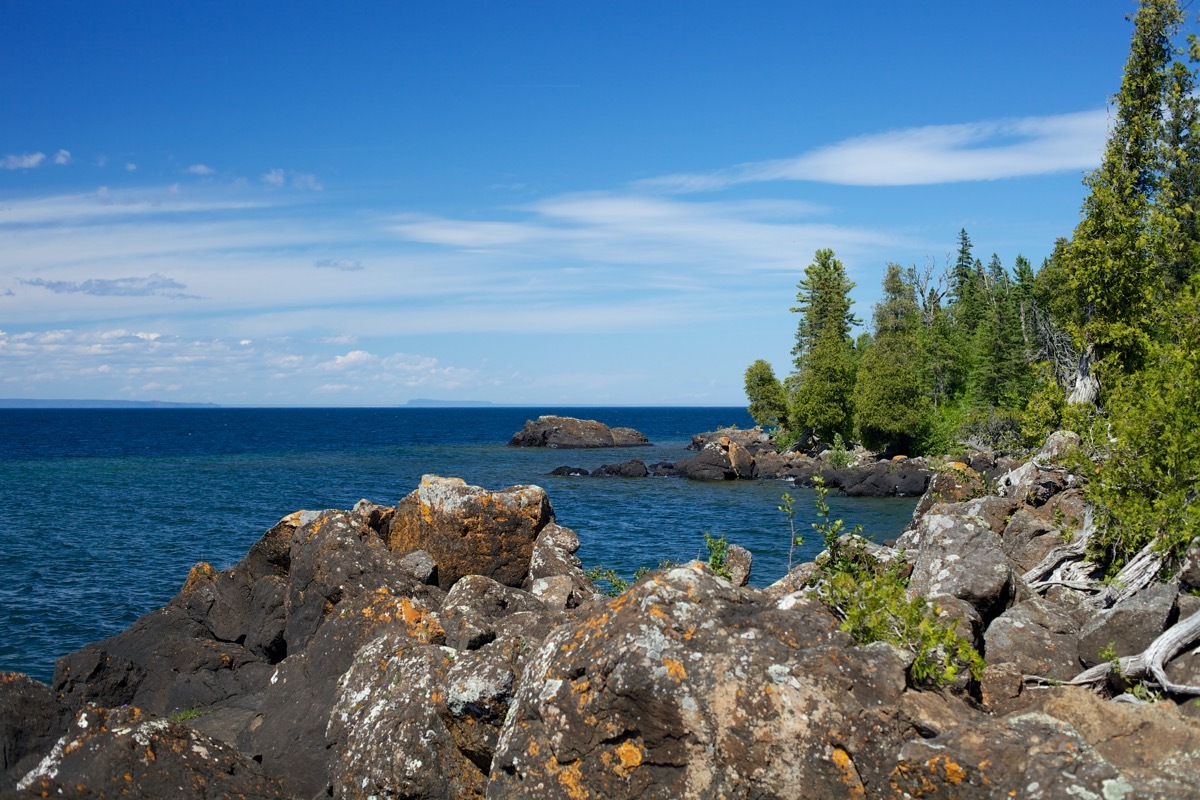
(630, 228)
(130, 166)
(200, 169)
(343, 264)
(932, 154)
(62, 157)
(23, 161)
(149, 286)
(275, 177)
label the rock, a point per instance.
(960, 557)
(1189, 572)
(417, 721)
(721, 460)
(738, 560)
(769, 465)
(1035, 638)
(471, 531)
(954, 483)
(477, 610)
(754, 440)
(554, 557)
(568, 432)
(1070, 744)
(990, 509)
(570, 472)
(420, 565)
(32, 718)
(634, 468)
(288, 733)
(905, 478)
(1128, 627)
(128, 753)
(658, 693)
(1028, 538)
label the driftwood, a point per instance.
(1150, 664)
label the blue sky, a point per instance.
(543, 203)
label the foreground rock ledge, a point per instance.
(335, 660)
(570, 433)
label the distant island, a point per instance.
(422, 402)
(27, 403)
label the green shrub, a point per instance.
(871, 600)
(839, 456)
(718, 549)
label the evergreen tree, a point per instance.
(824, 352)
(1114, 266)
(768, 402)
(891, 400)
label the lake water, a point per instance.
(106, 510)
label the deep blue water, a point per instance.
(103, 512)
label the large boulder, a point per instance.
(418, 721)
(907, 478)
(471, 531)
(959, 556)
(688, 687)
(568, 432)
(722, 459)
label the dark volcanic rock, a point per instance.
(568, 432)
(906, 478)
(418, 721)
(634, 468)
(471, 531)
(660, 694)
(1128, 627)
(571, 472)
(32, 718)
(960, 557)
(1036, 639)
(127, 753)
(555, 569)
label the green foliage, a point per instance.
(718, 550)
(1131, 220)
(839, 456)
(824, 401)
(1145, 491)
(607, 579)
(994, 429)
(891, 402)
(185, 714)
(1043, 411)
(768, 401)
(788, 507)
(941, 433)
(824, 353)
(871, 600)
(785, 438)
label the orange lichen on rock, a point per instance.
(848, 773)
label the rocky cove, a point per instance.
(451, 646)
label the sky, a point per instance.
(526, 203)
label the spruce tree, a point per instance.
(1114, 266)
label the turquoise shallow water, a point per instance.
(106, 510)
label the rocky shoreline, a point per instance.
(451, 646)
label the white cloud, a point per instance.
(130, 166)
(352, 359)
(932, 154)
(200, 169)
(62, 157)
(302, 180)
(343, 264)
(275, 177)
(23, 161)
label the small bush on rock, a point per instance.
(870, 597)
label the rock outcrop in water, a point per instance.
(570, 433)
(451, 647)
